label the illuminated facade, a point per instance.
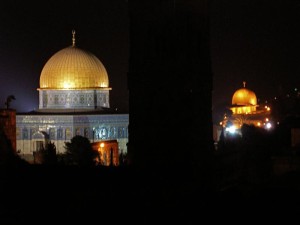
(244, 101)
(245, 110)
(73, 100)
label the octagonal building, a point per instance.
(73, 100)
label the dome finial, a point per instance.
(244, 84)
(73, 38)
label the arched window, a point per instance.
(103, 133)
(25, 134)
(68, 134)
(77, 131)
(86, 132)
(59, 134)
(52, 133)
(38, 139)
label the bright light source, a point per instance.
(268, 125)
(231, 129)
(102, 145)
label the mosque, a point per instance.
(73, 100)
(245, 110)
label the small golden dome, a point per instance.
(73, 68)
(244, 96)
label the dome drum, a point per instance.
(73, 99)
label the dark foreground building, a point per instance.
(8, 126)
(170, 85)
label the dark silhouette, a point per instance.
(46, 155)
(80, 152)
(111, 157)
(170, 87)
(50, 154)
(122, 159)
(7, 155)
(8, 100)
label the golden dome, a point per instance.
(244, 96)
(73, 68)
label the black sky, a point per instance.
(256, 41)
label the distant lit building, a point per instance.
(73, 100)
(245, 110)
(244, 101)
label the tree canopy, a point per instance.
(79, 151)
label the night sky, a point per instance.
(256, 41)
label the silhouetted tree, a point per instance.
(7, 155)
(46, 155)
(51, 150)
(61, 159)
(80, 152)
(122, 159)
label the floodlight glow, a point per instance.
(231, 129)
(268, 125)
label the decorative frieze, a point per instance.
(73, 99)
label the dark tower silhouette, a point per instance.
(170, 84)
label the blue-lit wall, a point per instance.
(59, 129)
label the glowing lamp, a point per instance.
(231, 129)
(268, 126)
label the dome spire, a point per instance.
(244, 84)
(73, 38)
